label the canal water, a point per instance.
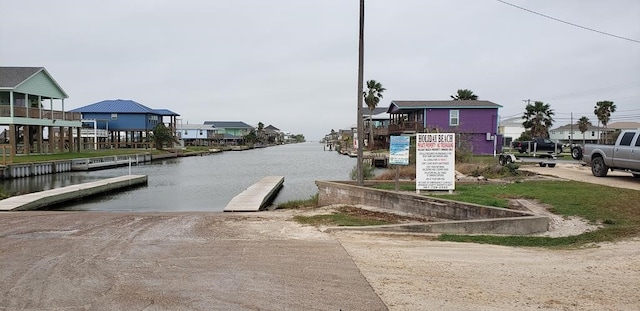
(202, 183)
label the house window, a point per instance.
(114, 116)
(454, 117)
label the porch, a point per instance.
(38, 113)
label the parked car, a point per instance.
(538, 144)
(624, 155)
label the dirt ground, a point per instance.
(413, 272)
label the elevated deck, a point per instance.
(45, 198)
(256, 196)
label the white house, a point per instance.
(510, 129)
(196, 134)
(571, 134)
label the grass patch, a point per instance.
(354, 216)
(616, 209)
(312, 201)
(603, 235)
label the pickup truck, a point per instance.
(623, 156)
(538, 144)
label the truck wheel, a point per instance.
(576, 153)
(598, 168)
(552, 165)
(542, 164)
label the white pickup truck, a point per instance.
(624, 155)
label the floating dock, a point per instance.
(87, 166)
(256, 196)
(45, 198)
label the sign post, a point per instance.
(435, 161)
(399, 154)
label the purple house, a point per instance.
(474, 121)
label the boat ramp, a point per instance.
(257, 196)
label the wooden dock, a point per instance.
(46, 198)
(256, 196)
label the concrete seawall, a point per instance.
(20, 170)
(46, 198)
(465, 217)
(34, 169)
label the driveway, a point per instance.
(578, 172)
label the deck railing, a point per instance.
(406, 127)
(36, 113)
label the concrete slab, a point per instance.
(171, 261)
(45, 198)
(256, 196)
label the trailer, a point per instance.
(543, 159)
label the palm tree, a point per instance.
(464, 95)
(583, 126)
(161, 136)
(372, 97)
(603, 110)
(539, 118)
(260, 132)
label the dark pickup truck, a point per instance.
(538, 144)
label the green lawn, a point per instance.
(617, 209)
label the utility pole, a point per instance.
(571, 133)
(359, 167)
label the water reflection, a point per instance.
(203, 183)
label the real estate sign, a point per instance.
(399, 150)
(435, 161)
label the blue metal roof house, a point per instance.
(126, 116)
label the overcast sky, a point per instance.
(293, 63)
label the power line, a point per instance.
(569, 23)
(598, 91)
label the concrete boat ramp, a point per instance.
(45, 198)
(256, 196)
(253, 199)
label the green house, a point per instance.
(32, 106)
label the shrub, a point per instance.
(367, 171)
